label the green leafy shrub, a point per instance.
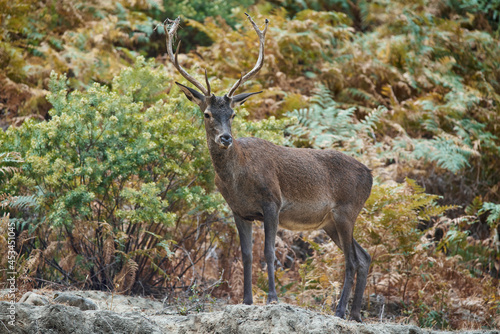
(112, 176)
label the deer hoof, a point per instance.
(357, 318)
(340, 315)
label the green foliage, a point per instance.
(141, 82)
(431, 318)
(91, 41)
(356, 10)
(326, 125)
(10, 163)
(438, 79)
(447, 151)
(493, 211)
(103, 158)
(269, 129)
(199, 10)
(410, 261)
(394, 233)
(488, 8)
(312, 36)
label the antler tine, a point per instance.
(208, 83)
(260, 60)
(173, 58)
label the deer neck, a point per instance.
(224, 160)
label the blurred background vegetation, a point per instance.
(105, 173)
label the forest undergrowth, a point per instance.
(105, 173)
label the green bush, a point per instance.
(104, 158)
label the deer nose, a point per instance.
(226, 139)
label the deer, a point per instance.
(299, 189)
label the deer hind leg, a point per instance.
(345, 244)
(364, 261)
(357, 261)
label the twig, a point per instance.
(5, 326)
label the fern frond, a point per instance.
(9, 158)
(126, 277)
(22, 202)
(109, 250)
(493, 211)
(362, 95)
(31, 266)
(436, 211)
(448, 151)
(373, 118)
(68, 262)
(327, 125)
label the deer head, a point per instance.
(218, 111)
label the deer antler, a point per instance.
(260, 60)
(170, 36)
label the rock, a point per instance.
(232, 319)
(273, 319)
(34, 299)
(70, 299)
(62, 319)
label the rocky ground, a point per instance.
(89, 312)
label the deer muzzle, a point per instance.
(225, 140)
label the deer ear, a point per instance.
(192, 94)
(239, 99)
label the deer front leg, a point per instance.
(271, 219)
(245, 231)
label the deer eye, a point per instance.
(207, 115)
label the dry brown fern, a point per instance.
(109, 243)
(30, 267)
(4, 200)
(21, 239)
(49, 252)
(109, 250)
(4, 223)
(68, 262)
(126, 277)
(83, 233)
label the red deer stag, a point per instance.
(295, 188)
